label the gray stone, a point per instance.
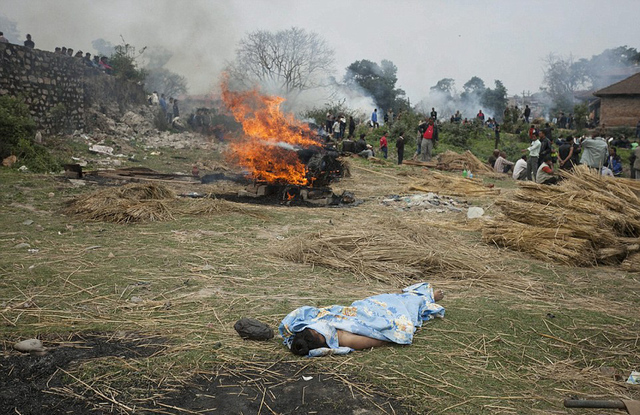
(29, 345)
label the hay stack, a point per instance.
(138, 203)
(587, 219)
(450, 160)
(128, 204)
(453, 185)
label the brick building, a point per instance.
(620, 103)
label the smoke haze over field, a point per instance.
(426, 40)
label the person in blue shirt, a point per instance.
(614, 163)
(374, 118)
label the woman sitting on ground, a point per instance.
(375, 321)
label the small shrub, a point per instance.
(17, 130)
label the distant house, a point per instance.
(620, 103)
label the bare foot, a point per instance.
(438, 295)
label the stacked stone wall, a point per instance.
(60, 89)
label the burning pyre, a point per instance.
(280, 154)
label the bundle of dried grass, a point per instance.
(454, 185)
(632, 263)
(450, 160)
(587, 219)
(128, 204)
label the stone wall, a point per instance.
(620, 111)
(59, 89)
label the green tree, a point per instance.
(473, 90)
(379, 81)
(562, 78)
(495, 100)
(123, 62)
(445, 86)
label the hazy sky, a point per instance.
(427, 40)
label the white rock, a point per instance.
(29, 345)
(475, 212)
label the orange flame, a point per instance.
(270, 136)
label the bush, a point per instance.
(17, 130)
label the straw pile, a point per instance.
(450, 160)
(139, 203)
(453, 185)
(130, 203)
(588, 219)
(396, 256)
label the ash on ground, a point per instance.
(429, 202)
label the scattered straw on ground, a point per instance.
(585, 220)
(453, 185)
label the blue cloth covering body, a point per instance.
(389, 317)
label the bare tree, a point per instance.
(289, 61)
(562, 78)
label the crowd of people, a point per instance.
(541, 157)
(169, 109)
(98, 62)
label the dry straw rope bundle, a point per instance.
(587, 219)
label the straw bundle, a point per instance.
(450, 160)
(453, 185)
(127, 204)
(587, 219)
(632, 263)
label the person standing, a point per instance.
(638, 130)
(594, 152)
(29, 43)
(497, 133)
(384, 145)
(565, 154)
(428, 137)
(3, 39)
(532, 160)
(176, 110)
(400, 147)
(352, 126)
(480, 116)
(374, 118)
(635, 172)
(336, 129)
(545, 147)
(527, 113)
(434, 114)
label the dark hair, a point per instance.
(303, 341)
(363, 135)
(547, 158)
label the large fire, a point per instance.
(268, 148)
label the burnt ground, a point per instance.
(31, 384)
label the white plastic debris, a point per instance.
(475, 212)
(634, 378)
(307, 378)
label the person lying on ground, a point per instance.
(375, 321)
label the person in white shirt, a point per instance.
(532, 161)
(520, 169)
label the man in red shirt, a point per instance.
(383, 144)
